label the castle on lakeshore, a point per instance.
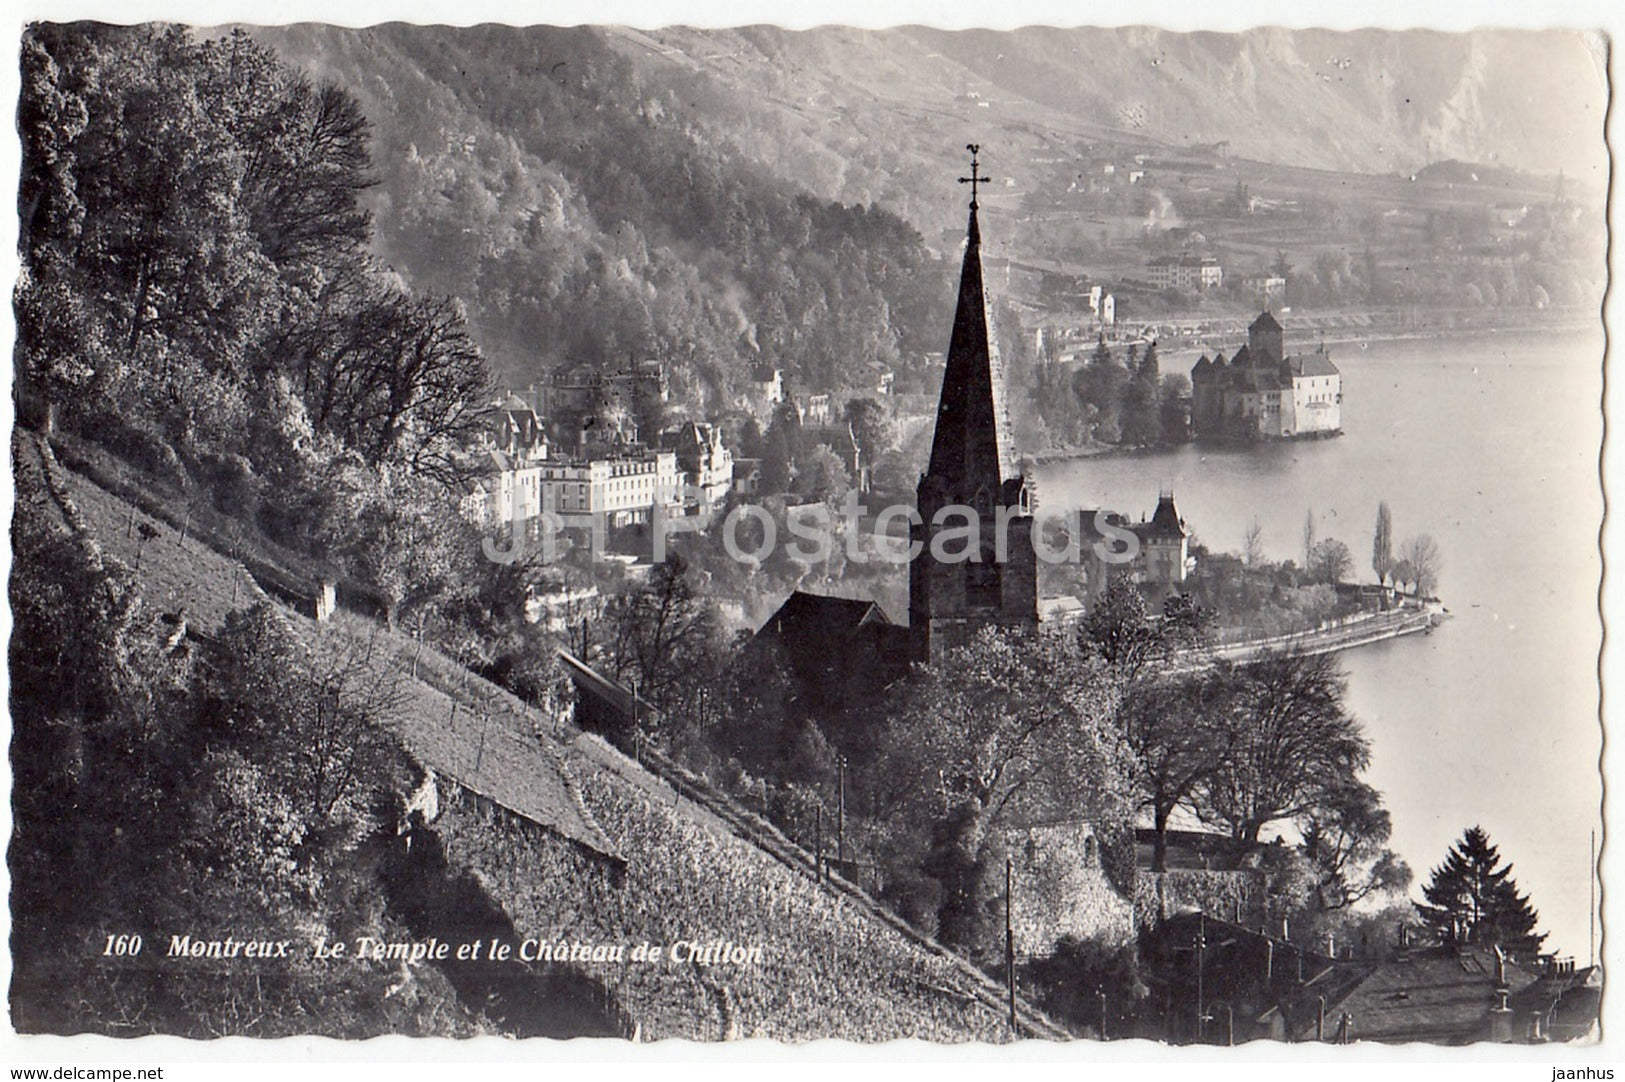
(1261, 393)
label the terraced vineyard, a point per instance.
(529, 808)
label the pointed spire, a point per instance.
(970, 450)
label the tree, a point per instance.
(662, 636)
(1330, 561)
(1119, 630)
(1308, 538)
(1167, 724)
(872, 427)
(1382, 544)
(1173, 397)
(1423, 559)
(782, 445)
(1252, 544)
(1345, 837)
(1011, 723)
(1081, 978)
(316, 712)
(1288, 744)
(822, 475)
(1471, 900)
(1401, 573)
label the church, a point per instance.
(965, 575)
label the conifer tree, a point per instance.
(1471, 900)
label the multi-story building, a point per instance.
(503, 488)
(706, 464)
(1186, 271)
(1165, 558)
(614, 491)
(512, 426)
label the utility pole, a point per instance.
(818, 836)
(840, 810)
(1010, 939)
(637, 730)
(1201, 949)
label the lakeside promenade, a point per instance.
(1333, 636)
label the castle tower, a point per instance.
(1264, 342)
(976, 580)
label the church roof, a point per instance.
(971, 448)
(805, 617)
(1265, 322)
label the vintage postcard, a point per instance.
(970, 535)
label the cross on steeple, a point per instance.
(976, 176)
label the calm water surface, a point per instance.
(1491, 445)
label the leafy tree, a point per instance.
(822, 475)
(1119, 630)
(872, 426)
(1288, 744)
(1471, 900)
(1382, 544)
(1173, 395)
(782, 448)
(1009, 723)
(316, 712)
(1140, 419)
(662, 635)
(1081, 977)
(1330, 561)
(1345, 837)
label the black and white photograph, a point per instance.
(1068, 534)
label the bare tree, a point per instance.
(1422, 555)
(1252, 544)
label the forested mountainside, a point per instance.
(583, 214)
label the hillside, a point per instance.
(722, 197)
(529, 808)
(846, 108)
(584, 216)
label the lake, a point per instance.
(1491, 444)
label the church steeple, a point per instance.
(990, 577)
(970, 451)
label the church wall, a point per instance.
(1019, 583)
